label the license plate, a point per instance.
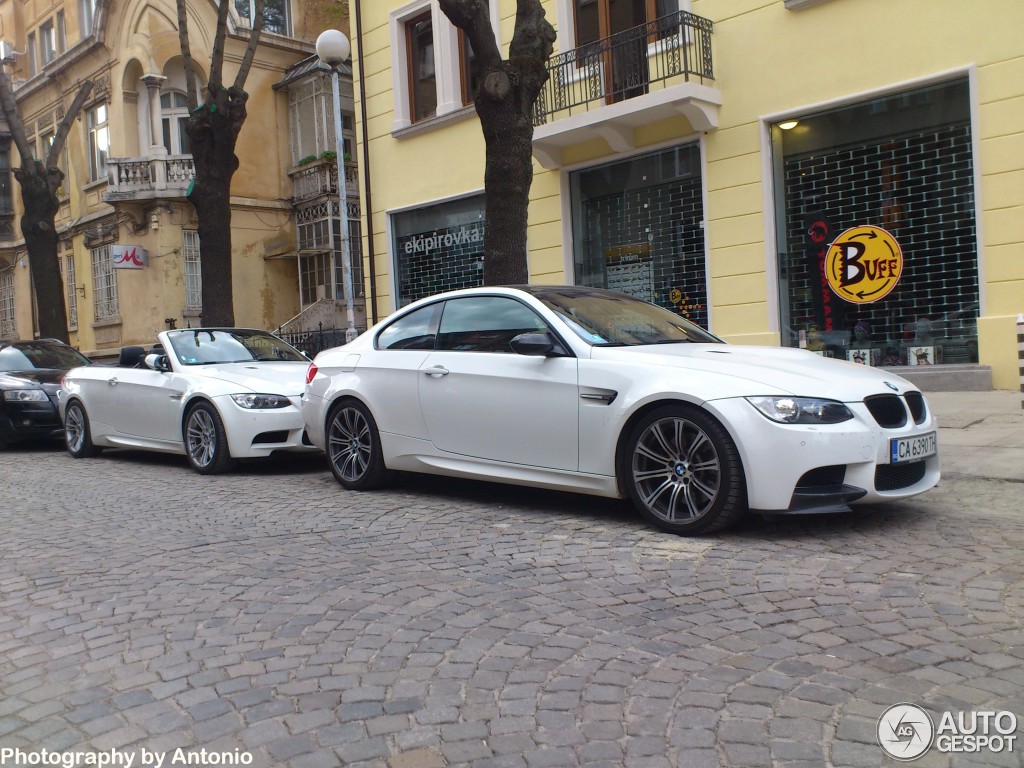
(916, 448)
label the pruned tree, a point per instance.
(39, 181)
(213, 127)
(507, 94)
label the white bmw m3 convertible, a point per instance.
(212, 394)
(593, 391)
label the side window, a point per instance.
(485, 324)
(416, 330)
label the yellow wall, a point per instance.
(768, 61)
(140, 37)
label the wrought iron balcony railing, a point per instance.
(622, 66)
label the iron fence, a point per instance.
(626, 64)
(313, 342)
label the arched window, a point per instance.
(174, 116)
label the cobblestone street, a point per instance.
(268, 612)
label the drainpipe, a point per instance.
(367, 195)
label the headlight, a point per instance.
(261, 401)
(801, 410)
(25, 395)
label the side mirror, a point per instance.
(158, 363)
(536, 344)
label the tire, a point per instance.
(206, 443)
(353, 447)
(77, 435)
(683, 472)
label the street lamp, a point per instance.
(333, 48)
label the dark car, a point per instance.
(30, 375)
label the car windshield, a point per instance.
(30, 355)
(230, 345)
(608, 318)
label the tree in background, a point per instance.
(507, 94)
(40, 180)
(213, 127)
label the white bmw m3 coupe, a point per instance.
(593, 391)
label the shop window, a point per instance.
(902, 163)
(104, 285)
(438, 248)
(638, 228)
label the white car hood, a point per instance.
(272, 378)
(750, 370)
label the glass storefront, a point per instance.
(638, 228)
(438, 248)
(900, 166)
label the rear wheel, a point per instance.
(206, 442)
(353, 447)
(77, 436)
(683, 471)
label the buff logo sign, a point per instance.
(864, 264)
(129, 257)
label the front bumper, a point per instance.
(255, 433)
(804, 469)
(23, 421)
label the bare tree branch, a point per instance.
(217, 58)
(186, 56)
(250, 49)
(474, 18)
(65, 125)
(14, 122)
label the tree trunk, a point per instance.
(504, 104)
(38, 194)
(213, 132)
(39, 184)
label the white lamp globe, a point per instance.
(333, 47)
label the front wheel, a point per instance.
(77, 436)
(683, 471)
(353, 447)
(206, 442)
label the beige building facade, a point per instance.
(129, 247)
(842, 175)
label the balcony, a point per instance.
(149, 178)
(609, 88)
(320, 177)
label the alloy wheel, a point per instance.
(202, 437)
(350, 444)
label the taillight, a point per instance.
(310, 372)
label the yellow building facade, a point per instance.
(722, 158)
(128, 165)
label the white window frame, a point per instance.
(447, 64)
(193, 269)
(86, 16)
(106, 305)
(72, 289)
(98, 133)
(8, 317)
(246, 21)
(173, 134)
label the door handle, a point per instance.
(112, 382)
(437, 370)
